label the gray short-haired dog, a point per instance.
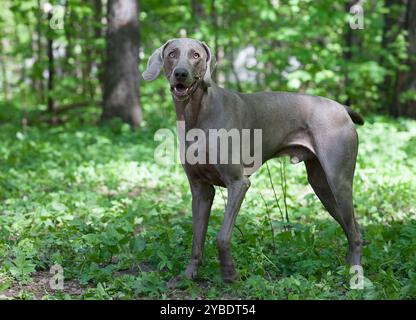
(312, 129)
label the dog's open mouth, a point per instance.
(180, 90)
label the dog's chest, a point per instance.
(196, 158)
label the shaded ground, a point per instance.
(40, 287)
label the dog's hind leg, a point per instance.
(331, 175)
(340, 207)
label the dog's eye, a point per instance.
(172, 54)
(196, 55)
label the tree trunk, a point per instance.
(87, 42)
(51, 74)
(4, 83)
(351, 40)
(39, 77)
(197, 9)
(121, 79)
(401, 16)
(214, 21)
(406, 81)
(390, 32)
(98, 34)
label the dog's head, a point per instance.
(187, 64)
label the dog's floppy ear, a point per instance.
(211, 62)
(155, 63)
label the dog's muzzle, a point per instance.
(182, 91)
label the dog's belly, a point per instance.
(297, 145)
(205, 172)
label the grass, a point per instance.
(91, 199)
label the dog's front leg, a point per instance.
(236, 192)
(202, 197)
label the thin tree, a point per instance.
(3, 73)
(38, 79)
(51, 73)
(351, 40)
(400, 16)
(406, 82)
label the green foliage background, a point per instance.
(313, 32)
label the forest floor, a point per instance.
(92, 200)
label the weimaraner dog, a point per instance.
(312, 129)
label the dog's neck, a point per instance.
(188, 110)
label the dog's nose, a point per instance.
(181, 73)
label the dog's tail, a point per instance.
(355, 116)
